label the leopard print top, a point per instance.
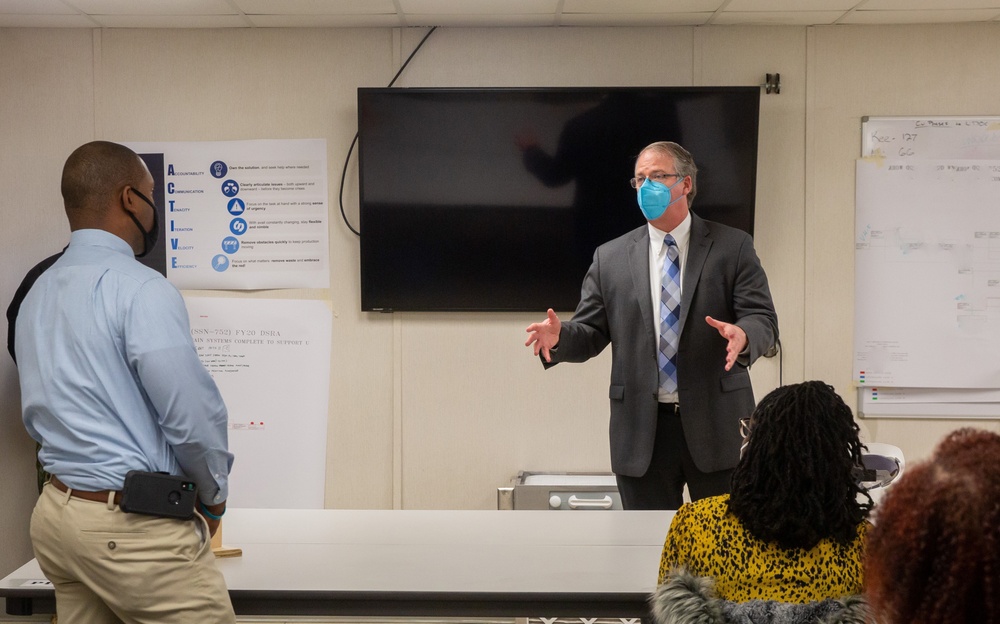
(709, 541)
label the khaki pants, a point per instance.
(111, 567)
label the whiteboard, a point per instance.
(926, 145)
(874, 402)
(931, 137)
(927, 273)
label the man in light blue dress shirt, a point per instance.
(111, 382)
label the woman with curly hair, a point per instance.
(792, 530)
(934, 556)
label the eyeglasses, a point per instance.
(744, 428)
(659, 176)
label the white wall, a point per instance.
(474, 415)
(912, 70)
(437, 410)
(46, 107)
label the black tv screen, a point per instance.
(495, 199)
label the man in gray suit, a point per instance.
(685, 304)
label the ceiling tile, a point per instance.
(946, 16)
(790, 5)
(774, 18)
(645, 19)
(325, 21)
(9, 20)
(914, 5)
(171, 21)
(617, 7)
(484, 13)
(35, 7)
(153, 7)
(478, 7)
(479, 21)
(316, 7)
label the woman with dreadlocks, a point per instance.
(934, 556)
(792, 530)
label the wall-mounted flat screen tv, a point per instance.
(495, 199)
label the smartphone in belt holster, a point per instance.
(158, 494)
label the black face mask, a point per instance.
(148, 238)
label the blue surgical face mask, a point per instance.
(654, 198)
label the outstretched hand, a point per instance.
(545, 335)
(735, 336)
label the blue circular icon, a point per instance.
(238, 226)
(220, 263)
(230, 244)
(230, 188)
(236, 206)
(218, 169)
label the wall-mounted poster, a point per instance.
(244, 215)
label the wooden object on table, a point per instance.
(223, 551)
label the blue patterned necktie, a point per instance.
(670, 316)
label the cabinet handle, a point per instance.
(590, 503)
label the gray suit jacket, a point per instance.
(723, 279)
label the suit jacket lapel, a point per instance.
(638, 263)
(698, 247)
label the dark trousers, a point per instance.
(662, 487)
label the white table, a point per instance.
(425, 563)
